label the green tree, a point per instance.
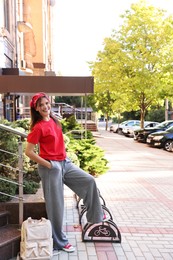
(104, 103)
(136, 61)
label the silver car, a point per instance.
(128, 130)
(118, 128)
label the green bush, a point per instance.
(22, 123)
(66, 140)
(89, 135)
(83, 152)
(156, 114)
(73, 157)
(91, 157)
(9, 143)
(8, 188)
(70, 124)
(30, 187)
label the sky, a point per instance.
(80, 28)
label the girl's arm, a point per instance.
(29, 151)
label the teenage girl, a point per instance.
(55, 169)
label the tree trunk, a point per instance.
(142, 116)
(107, 119)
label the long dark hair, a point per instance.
(36, 117)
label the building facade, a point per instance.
(25, 48)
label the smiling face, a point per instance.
(43, 107)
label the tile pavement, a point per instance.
(138, 191)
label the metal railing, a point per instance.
(19, 169)
(81, 132)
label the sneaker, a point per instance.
(105, 218)
(68, 248)
(56, 252)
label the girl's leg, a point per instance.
(84, 185)
(54, 200)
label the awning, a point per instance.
(52, 85)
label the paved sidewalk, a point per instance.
(138, 191)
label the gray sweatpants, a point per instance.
(82, 183)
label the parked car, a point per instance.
(128, 130)
(141, 134)
(119, 127)
(113, 127)
(162, 139)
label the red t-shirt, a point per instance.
(49, 136)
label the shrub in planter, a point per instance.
(66, 140)
(30, 187)
(73, 157)
(31, 171)
(8, 188)
(69, 123)
(89, 135)
(91, 157)
(23, 123)
(8, 142)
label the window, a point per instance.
(7, 15)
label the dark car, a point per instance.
(141, 134)
(162, 139)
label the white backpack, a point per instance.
(36, 239)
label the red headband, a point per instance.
(36, 97)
